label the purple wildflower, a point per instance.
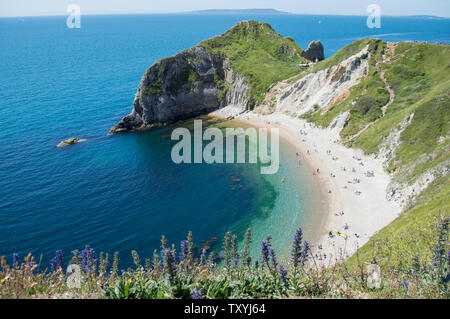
(268, 255)
(196, 294)
(31, 265)
(300, 249)
(405, 285)
(305, 254)
(169, 263)
(57, 262)
(15, 260)
(284, 276)
(184, 251)
(88, 261)
(273, 258)
(265, 252)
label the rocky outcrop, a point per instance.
(70, 141)
(188, 84)
(314, 52)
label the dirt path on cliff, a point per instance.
(391, 48)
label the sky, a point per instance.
(18, 8)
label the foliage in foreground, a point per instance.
(174, 273)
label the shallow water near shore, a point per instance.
(118, 193)
(293, 199)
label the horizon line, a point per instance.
(199, 12)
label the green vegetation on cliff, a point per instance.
(259, 53)
(413, 127)
(342, 54)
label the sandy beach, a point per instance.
(354, 185)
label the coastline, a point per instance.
(361, 198)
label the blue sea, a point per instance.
(119, 193)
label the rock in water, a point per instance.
(70, 141)
(314, 52)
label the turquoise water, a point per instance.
(119, 193)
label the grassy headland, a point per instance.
(259, 53)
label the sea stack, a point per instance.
(314, 52)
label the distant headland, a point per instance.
(238, 11)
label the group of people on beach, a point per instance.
(342, 231)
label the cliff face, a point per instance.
(323, 88)
(188, 84)
(226, 70)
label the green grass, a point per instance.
(259, 53)
(342, 54)
(369, 96)
(421, 141)
(421, 82)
